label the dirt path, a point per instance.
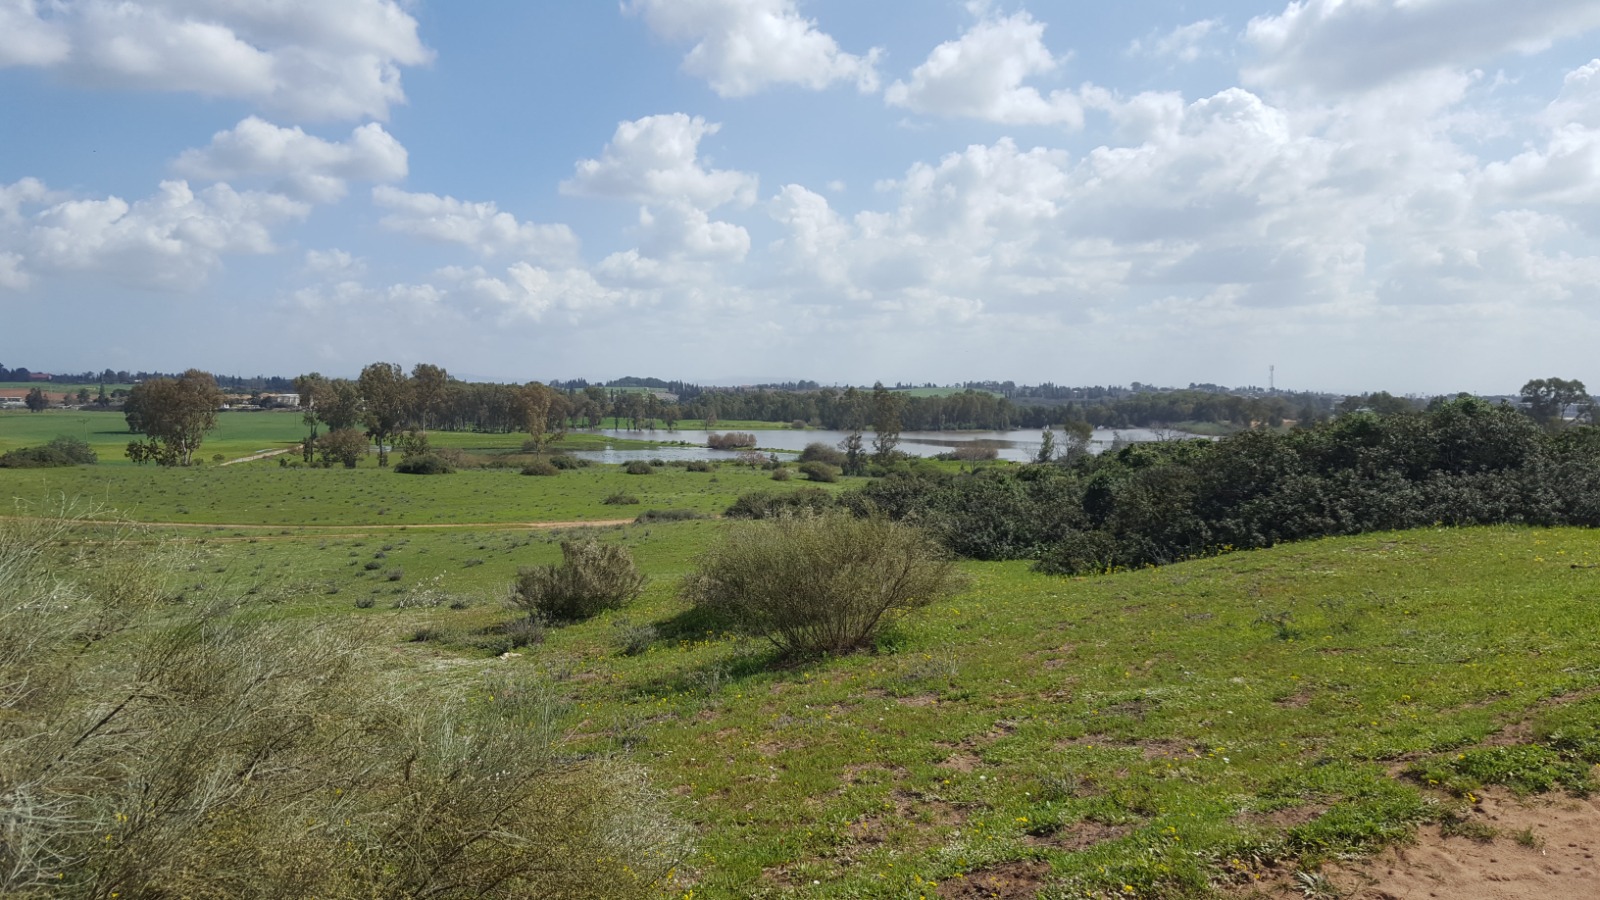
(265, 454)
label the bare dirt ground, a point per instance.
(265, 454)
(1543, 849)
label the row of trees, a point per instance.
(387, 407)
(385, 402)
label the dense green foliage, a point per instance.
(60, 452)
(1463, 462)
(174, 414)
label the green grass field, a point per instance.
(1158, 733)
(264, 494)
(237, 434)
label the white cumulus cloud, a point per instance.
(656, 159)
(302, 165)
(1343, 46)
(981, 75)
(28, 40)
(678, 230)
(481, 226)
(174, 239)
(333, 262)
(745, 46)
(308, 58)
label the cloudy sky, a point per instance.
(1395, 194)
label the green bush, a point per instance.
(699, 465)
(638, 467)
(593, 577)
(820, 584)
(819, 471)
(780, 475)
(59, 452)
(425, 464)
(541, 467)
(620, 499)
(816, 451)
(566, 461)
(772, 504)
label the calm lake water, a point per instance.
(1017, 446)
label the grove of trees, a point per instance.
(174, 414)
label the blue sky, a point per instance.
(1368, 194)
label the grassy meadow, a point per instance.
(1167, 732)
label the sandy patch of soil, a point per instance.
(1543, 849)
(1011, 881)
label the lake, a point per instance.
(1017, 446)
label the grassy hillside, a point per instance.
(1158, 733)
(1153, 733)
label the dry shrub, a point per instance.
(819, 584)
(593, 577)
(151, 750)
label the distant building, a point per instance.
(39, 376)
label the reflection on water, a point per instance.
(1017, 446)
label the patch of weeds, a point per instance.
(1316, 886)
(1365, 824)
(509, 636)
(1457, 825)
(1527, 838)
(1572, 729)
(621, 499)
(372, 565)
(1525, 769)
(1279, 623)
(631, 638)
(365, 603)
(395, 574)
